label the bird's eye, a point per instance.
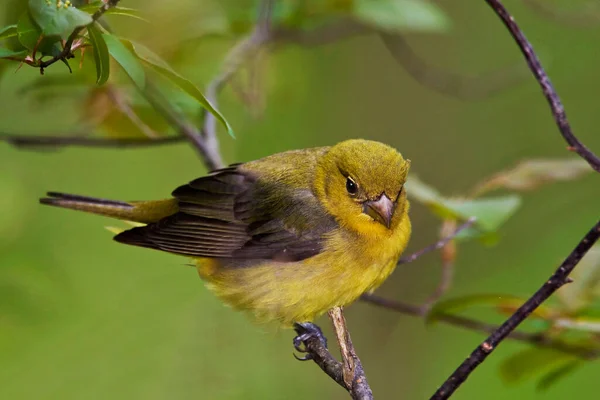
(351, 186)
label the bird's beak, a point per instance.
(381, 210)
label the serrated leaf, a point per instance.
(558, 374)
(585, 287)
(533, 362)
(531, 174)
(501, 301)
(57, 21)
(401, 15)
(126, 59)
(5, 53)
(101, 56)
(8, 31)
(159, 65)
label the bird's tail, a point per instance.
(137, 211)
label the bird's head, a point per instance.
(360, 182)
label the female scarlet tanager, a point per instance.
(286, 237)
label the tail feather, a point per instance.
(136, 211)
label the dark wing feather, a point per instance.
(234, 214)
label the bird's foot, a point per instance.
(306, 331)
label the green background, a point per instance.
(84, 317)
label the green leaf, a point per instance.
(101, 56)
(531, 174)
(4, 53)
(128, 12)
(159, 65)
(501, 301)
(28, 32)
(126, 59)
(585, 287)
(401, 15)
(421, 192)
(533, 362)
(490, 212)
(55, 20)
(29, 35)
(8, 31)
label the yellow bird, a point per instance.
(286, 237)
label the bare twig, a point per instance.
(448, 256)
(437, 245)
(468, 88)
(245, 48)
(74, 140)
(536, 339)
(556, 106)
(125, 108)
(557, 280)
(352, 371)
(68, 47)
(584, 18)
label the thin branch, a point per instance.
(536, 339)
(68, 49)
(448, 256)
(31, 142)
(437, 245)
(585, 18)
(468, 88)
(559, 278)
(556, 106)
(125, 108)
(236, 57)
(352, 370)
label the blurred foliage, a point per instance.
(69, 320)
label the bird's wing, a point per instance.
(237, 213)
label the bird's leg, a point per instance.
(307, 331)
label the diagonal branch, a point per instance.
(556, 106)
(557, 280)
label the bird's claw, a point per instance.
(306, 331)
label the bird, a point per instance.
(285, 237)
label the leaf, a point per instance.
(126, 59)
(128, 12)
(584, 324)
(8, 31)
(5, 53)
(159, 65)
(28, 34)
(501, 301)
(101, 57)
(401, 15)
(531, 174)
(533, 362)
(57, 21)
(490, 212)
(585, 287)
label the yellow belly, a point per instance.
(302, 291)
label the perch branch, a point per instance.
(31, 142)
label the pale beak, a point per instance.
(381, 210)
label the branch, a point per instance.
(437, 245)
(557, 280)
(67, 51)
(558, 111)
(29, 142)
(468, 88)
(536, 339)
(352, 370)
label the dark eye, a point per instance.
(351, 186)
